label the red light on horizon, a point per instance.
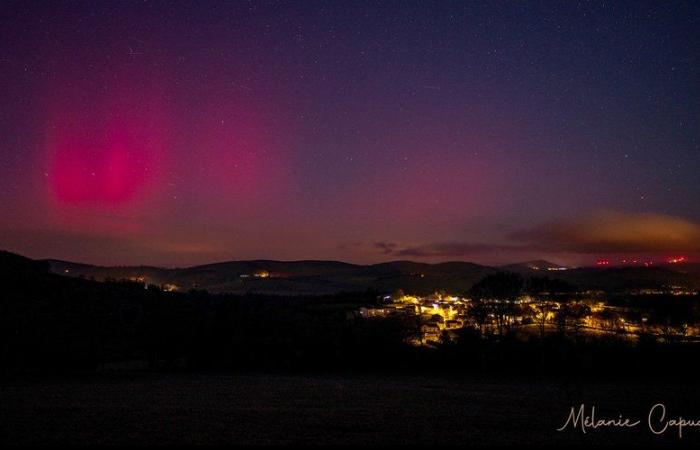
(602, 262)
(677, 260)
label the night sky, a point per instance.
(191, 132)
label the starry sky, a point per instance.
(179, 133)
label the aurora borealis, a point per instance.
(178, 133)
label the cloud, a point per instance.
(345, 246)
(450, 249)
(440, 249)
(599, 233)
(386, 248)
(614, 232)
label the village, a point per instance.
(442, 316)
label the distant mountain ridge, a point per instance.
(311, 277)
(328, 277)
(293, 277)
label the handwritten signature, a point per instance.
(657, 421)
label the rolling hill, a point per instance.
(328, 277)
(293, 277)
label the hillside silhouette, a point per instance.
(331, 277)
(52, 323)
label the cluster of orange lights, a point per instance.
(646, 263)
(676, 260)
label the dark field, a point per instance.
(329, 409)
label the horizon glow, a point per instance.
(164, 134)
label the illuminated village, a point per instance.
(529, 312)
(442, 316)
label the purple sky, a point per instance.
(179, 133)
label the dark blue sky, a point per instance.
(185, 132)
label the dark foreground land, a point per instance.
(330, 409)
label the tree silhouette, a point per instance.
(499, 291)
(543, 291)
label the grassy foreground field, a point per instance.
(329, 409)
